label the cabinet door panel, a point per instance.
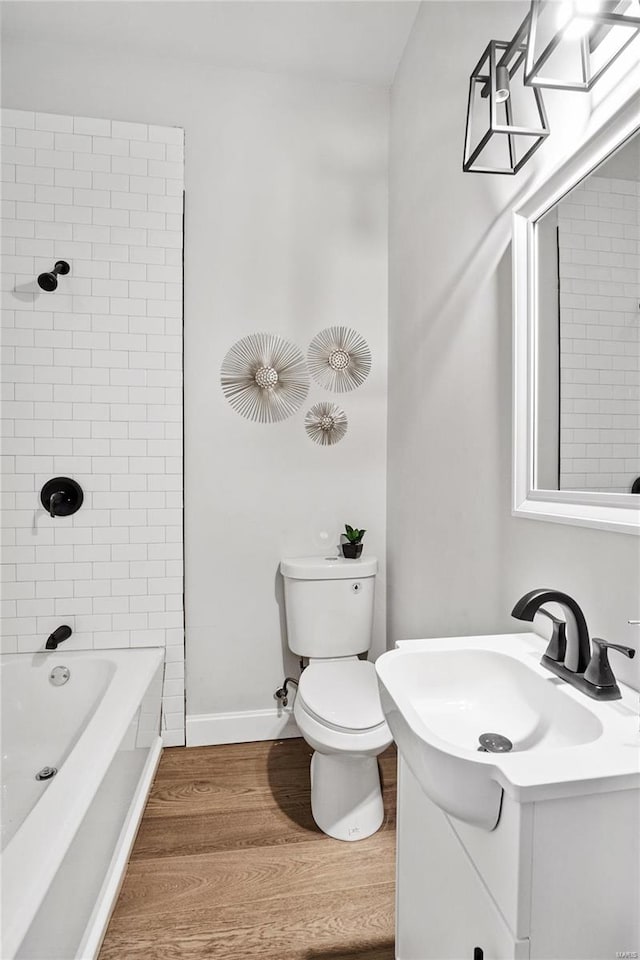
(444, 911)
(503, 860)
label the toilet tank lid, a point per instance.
(328, 568)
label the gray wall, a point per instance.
(625, 164)
(457, 559)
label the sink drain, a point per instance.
(494, 743)
(46, 773)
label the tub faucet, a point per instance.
(569, 653)
(58, 636)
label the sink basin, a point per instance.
(440, 695)
(460, 694)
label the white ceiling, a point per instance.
(361, 41)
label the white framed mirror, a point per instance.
(576, 248)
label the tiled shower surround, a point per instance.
(92, 387)
(599, 239)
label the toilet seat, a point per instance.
(342, 695)
(337, 708)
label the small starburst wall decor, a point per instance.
(339, 359)
(325, 423)
(264, 378)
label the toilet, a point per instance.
(329, 612)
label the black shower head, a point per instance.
(49, 281)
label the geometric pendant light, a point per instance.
(571, 43)
(506, 121)
(562, 44)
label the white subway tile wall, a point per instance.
(599, 241)
(92, 387)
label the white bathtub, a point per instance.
(66, 840)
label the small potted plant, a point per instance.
(353, 547)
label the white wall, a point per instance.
(457, 559)
(92, 387)
(286, 231)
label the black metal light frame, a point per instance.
(604, 20)
(512, 56)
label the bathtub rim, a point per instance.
(96, 928)
(32, 857)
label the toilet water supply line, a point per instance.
(282, 693)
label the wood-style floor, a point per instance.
(229, 865)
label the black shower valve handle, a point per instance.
(54, 500)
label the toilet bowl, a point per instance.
(338, 712)
(329, 613)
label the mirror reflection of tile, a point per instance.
(599, 296)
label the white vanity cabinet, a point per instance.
(556, 880)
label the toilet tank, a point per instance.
(329, 605)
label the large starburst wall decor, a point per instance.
(264, 378)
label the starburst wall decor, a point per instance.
(325, 423)
(339, 359)
(264, 378)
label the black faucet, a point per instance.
(578, 650)
(568, 654)
(58, 636)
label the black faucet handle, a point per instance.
(557, 648)
(54, 500)
(599, 671)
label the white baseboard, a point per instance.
(242, 727)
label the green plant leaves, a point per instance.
(354, 535)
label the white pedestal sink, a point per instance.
(534, 853)
(440, 695)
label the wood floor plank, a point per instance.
(229, 864)
(332, 925)
(193, 883)
(210, 787)
(211, 832)
(259, 756)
